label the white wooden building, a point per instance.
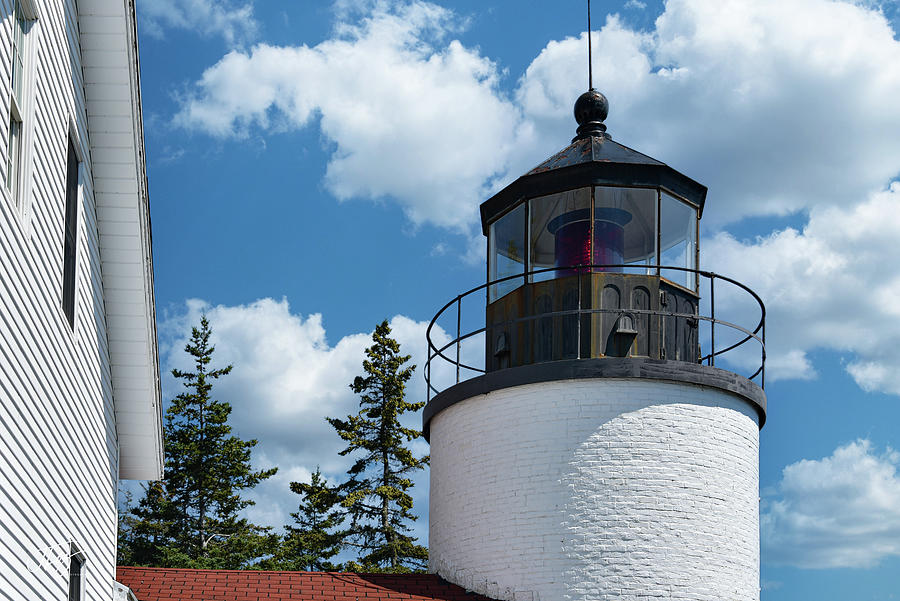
(79, 373)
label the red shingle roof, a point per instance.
(169, 584)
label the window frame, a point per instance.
(14, 155)
(72, 194)
(651, 265)
(20, 105)
(694, 226)
(76, 579)
(494, 290)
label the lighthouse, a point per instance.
(608, 446)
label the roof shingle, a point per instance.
(171, 584)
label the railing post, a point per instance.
(712, 324)
(763, 378)
(458, 321)
(428, 371)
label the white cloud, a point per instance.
(744, 97)
(230, 19)
(286, 376)
(287, 379)
(411, 118)
(834, 512)
(775, 111)
(828, 286)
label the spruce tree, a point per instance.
(192, 518)
(376, 495)
(314, 538)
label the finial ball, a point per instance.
(591, 106)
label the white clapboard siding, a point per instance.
(62, 390)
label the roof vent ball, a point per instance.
(591, 109)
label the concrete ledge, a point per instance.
(578, 369)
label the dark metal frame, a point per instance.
(640, 368)
(758, 333)
(595, 173)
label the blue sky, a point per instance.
(316, 167)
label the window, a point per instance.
(76, 566)
(506, 255)
(14, 156)
(17, 100)
(678, 239)
(559, 232)
(625, 227)
(70, 235)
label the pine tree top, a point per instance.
(192, 518)
(376, 495)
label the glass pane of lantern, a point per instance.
(559, 232)
(678, 239)
(624, 227)
(506, 252)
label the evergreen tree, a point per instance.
(376, 494)
(310, 544)
(125, 549)
(191, 518)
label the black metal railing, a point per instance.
(454, 346)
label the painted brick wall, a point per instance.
(597, 489)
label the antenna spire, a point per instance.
(591, 107)
(590, 63)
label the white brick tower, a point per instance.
(600, 454)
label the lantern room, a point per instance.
(587, 249)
